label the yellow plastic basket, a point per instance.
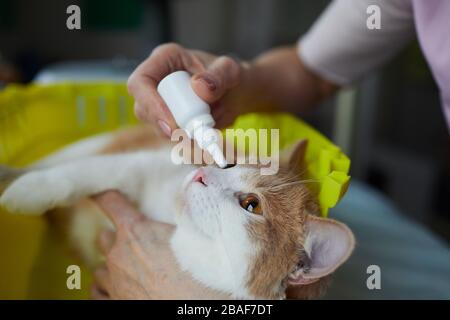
(38, 119)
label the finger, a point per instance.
(118, 208)
(142, 83)
(219, 113)
(105, 241)
(98, 294)
(149, 106)
(102, 280)
(155, 231)
(222, 75)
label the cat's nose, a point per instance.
(200, 177)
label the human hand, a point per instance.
(212, 79)
(139, 261)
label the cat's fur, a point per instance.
(286, 250)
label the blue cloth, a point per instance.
(414, 263)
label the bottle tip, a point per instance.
(220, 160)
(217, 155)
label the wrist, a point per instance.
(255, 87)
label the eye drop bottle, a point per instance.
(191, 113)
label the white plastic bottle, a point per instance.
(191, 113)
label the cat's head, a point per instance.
(257, 236)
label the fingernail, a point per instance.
(165, 128)
(208, 82)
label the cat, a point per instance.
(239, 232)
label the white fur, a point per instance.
(210, 241)
(215, 212)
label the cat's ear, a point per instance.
(293, 158)
(328, 244)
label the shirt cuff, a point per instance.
(312, 60)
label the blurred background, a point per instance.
(390, 124)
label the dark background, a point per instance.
(390, 124)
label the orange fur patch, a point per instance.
(279, 237)
(134, 139)
(146, 137)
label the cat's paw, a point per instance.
(33, 193)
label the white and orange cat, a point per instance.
(237, 231)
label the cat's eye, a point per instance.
(250, 202)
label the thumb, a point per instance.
(116, 206)
(221, 75)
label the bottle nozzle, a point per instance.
(217, 155)
(208, 139)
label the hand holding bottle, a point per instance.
(212, 78)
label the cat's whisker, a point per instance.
(291, 183)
